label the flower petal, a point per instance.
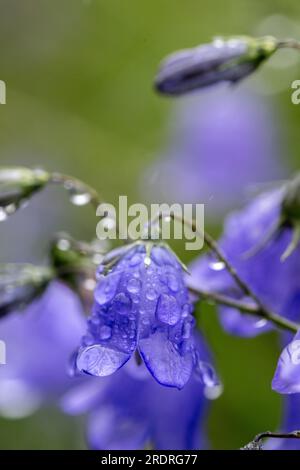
(164, 360)
(287, 375)
(113, 430)
(100, 361)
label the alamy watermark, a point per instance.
(2, 92)
(296, 93)
(138, 222)
(2, 352)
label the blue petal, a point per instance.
(241, 324)
(287, 375)
(164, 360)
(113, 430)
(100, 361)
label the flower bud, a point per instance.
(17, 184)
(225, 59)
(20, 284)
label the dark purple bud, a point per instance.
(228, 60)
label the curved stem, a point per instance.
(256, 444)
(278, 435)
(290, 43)
(75, 185)
(248, 309)
(224, 300)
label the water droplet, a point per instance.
(260, 323)
(95, 320)
(106, 289)
(105, 332)
(207, 374)
(212, 393)
(88, 340)
(147, 261)
(122, 304)
(187, 328)
(217, 265)
(80, 199)
(89, 284)
(168, 310)
(151, 294)
(99, 360)
(186, 310)
(135, 260)
(294, 351)
(63, 244)
(218, 42)
(134, 286)
(173, 283)
(10, 209)
(3, 214)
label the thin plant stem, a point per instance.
(74, 184)
(289, 43)
(277, 435)
(255, 310)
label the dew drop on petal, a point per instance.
(217, 265)
(135, 260)
(134, 286)
(147, 261)
(207, 374)
(260, 323)
(187, 327)
(168, 310)
(105, 332)
(294, 352)
(106, 289)
(212, 393)
(151, 294)
(122, 304)
(186, 310)
(173, 283)
(99, 360)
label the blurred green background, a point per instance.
(80, 101)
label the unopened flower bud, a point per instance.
(223, 60)
(17, 184)
(20, 284)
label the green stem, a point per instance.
(248, 309)
(74, 184)
(289, 43)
